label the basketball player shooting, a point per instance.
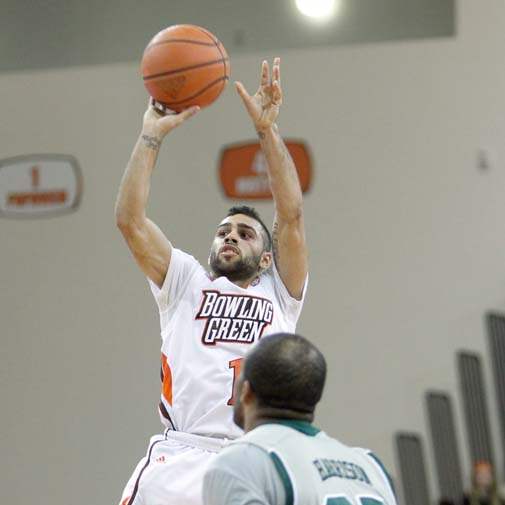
(209, 320)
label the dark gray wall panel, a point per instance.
(445, 447)
(410, 461)
(496, 334)
(475, 406)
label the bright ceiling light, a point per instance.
(317, 9)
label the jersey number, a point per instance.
(236, 365)
(342, 500)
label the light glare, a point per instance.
(316, 8)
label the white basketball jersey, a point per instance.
(207, 326)
(319, 470)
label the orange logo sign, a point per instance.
(39, 185)
(243, 170)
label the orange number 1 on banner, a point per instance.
(236, 364)
(35, 177)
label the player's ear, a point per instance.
(246, 393)
(266, 260)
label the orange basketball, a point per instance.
(185, 65)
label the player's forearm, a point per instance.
(134, 189)
(284, 182)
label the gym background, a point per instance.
(402, 105)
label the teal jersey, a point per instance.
(293, 463)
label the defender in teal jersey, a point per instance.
(283, 459)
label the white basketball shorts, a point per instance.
(172, 471)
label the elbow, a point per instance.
(126, 223)
(126, 219)
(121, 225)
(130, 230)
(121, 219)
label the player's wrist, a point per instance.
(157, 129)
(151, 138)
(265, 131)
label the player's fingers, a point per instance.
(276, 71)
(265, 74)
(187, 113)
(276, 93)
(246, 98)
(242, 91)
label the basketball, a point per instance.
(185, 65)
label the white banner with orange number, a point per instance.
(39, 185)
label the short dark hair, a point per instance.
(286, 371)
(252, 212)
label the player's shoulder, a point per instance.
(273, 282)
(239, 456)
(259, 443)
(242, 473)
(368, 455)
(374, 462)
(185, 264)
(271, 435)
(180, 257)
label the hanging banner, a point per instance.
(243, 170)
(39, 185)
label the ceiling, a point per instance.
(36, 34)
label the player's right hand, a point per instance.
(159, 121)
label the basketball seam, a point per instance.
(217, 42)
(213, 83)
(186, 41)
(183, 69)
(224, 59)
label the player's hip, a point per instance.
(172, 470)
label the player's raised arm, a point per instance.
(290, 251)
(149, 246)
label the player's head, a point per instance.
(282, 377)
(242, 245)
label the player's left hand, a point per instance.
(263, 107)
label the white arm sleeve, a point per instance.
(180, 270)
(243, 474)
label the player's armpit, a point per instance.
(290, 253)
(150, 248)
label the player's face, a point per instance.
(237, 251)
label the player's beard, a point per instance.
(241, 270)
(238, 414)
